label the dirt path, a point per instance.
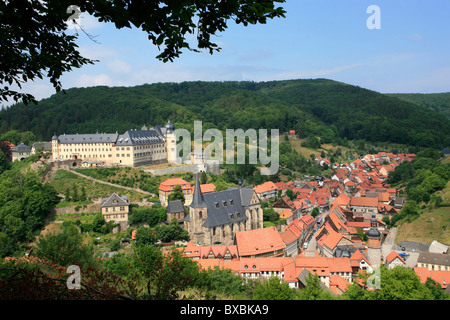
(388, 243)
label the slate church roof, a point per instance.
(175, 206)
(223, 207)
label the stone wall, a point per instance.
(92, 207)
(187, 168)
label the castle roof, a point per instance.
(88, 138)
(21, 148)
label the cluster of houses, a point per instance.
(334, 273)
(22, 151)
(226, 227)
(361, 185)
(344, 239)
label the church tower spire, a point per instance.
(198, 214)
(374, 243)
(197, 198)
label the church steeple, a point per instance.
(373, 232)
(197, 199)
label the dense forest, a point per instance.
(438, 102)
(320, 107)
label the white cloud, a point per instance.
(87, 80)
(97, 51)
(119, 66)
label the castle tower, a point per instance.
(198, 213)
(55, 147)
(171, 142)
(374, 243)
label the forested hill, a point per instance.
(439, 102)
(325, 108)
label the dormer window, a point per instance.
(231, 202)
(231, 216)
(224, 203)
(217, 204)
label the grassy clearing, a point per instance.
(306, 152)
(446, 159)
(430, 225)
(64, 179)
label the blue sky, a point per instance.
(317, 39)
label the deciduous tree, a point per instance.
(34, 42)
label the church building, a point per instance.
(217, 216)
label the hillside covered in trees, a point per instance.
(320, 107)
(439, 102)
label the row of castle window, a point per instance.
(118, 155)
(110, 149)
(158, 145)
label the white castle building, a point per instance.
(133, 148)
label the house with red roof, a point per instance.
(329, 240)
(341, 200)
(359, 261)
(440, 276)
(338, 284)
(195, 252)
(283, 204)
(166, 188)
(393, 260)
(364, 205)
(267, 190)
(290, 239)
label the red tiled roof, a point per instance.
(357, 224)
(286, 214)
(441, 277)
(336, 281)
(307, 219)
(288, 236)
(341, 200)
(364, 202)
(265, 187)
(331, 239)
(259, 241)
(357, 257)
(205, 188)
(392, 256)
(169, 183)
